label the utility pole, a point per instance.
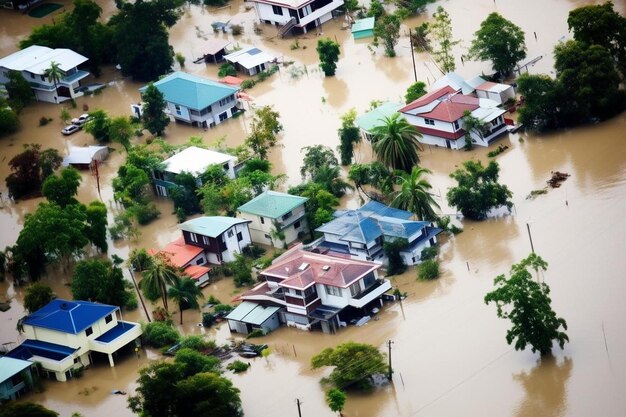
(132, 276)
(413, 55)
(389, 343)
(299, 403)
(530, 237)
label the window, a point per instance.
(239, 237)
(32, 75)
(456, 125)
(429, 122)
(286, 216)
(226, 100)
(88, 331)
(296, 225)
(43, 78)
(277, 10)
(330, 290)
(355, 288)
(108, 319)
(177, 107)
(205, 240)
(230, 233)
(225, 166)
(262, 220)
(223, 116)
(193, 237)
(267, 236)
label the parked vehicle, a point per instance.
(81, 120)
(70, 129)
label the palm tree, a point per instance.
(330, 178)
(157, 277)
(185, 292)
(415, 196)
(395, 143)
(55, 73)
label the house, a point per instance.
(250, 60)
(215, 49)
(248, 317)
(276, 219)
(317, 290)
(298, 15)
(363, 28)
(361, 233)
(376, 117)
(15, 377)
(85, 157)
(500, 93)
(439, 117)
(64, 336)
(34, 61)
(194, 161)
(190, 258)
(197, 100)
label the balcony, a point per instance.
(373, 292)
(116, 337)
(72, 78)
(316, 14)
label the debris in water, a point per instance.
(557, 178)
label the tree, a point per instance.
(420, 40)
(9, 122)
(159, 334)
(25, 409)
(29, 169)
(156, 393)
(99, 281)
(131, 185)
(354, 363)
(478, 190)
(329, 177)
(62, 189)
(542, 101)
(472, 124)
(193, 362)
(388, 29)
(315, 158)
(227, 69)
(395, 261)
(320, 205)
(328, 51)
(395, 143)
(415, 91)
(374, 175)
(159, 275)
(336, 399)
(376, 9)
(207, 394)
(441, 31)
(153, 117)
(265, 127)
(99, 126)
(120, 131)
(242, 270)
(55, 73)
(20, 92)
(349, 135)
(500, 41)
(97, 221)
(601, 25)
(185, 292)
(414, 194)
(528, 305)
(412, 7)
(37, 295)
(65, 115)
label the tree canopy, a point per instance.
(20, 92)
(415, 91)
(37, 295)
(395, 143)
(153, 117)
(29, 169)
(185, 293)
(349, 135)
(62, 189)
(387, 29)
(414, 194)
(25, 409)
(440, 32)
(527, 304)
(265, 126)
(328, 51)
(99, 281)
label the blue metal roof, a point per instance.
(30, 348)
(375, 208)
(68, 316)
(400, 228)
(365, 231)
(192, 91)
(121, 328)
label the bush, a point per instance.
(429, 253)
(236, 29)
(429, 270)
(254, 251)
(158, 334)
(139, 259)
(213, 300)
(208, 319)
(196, 342)
(131, 301)
(256, 333)
(249, 83)
(238, 366)
(225, 70)
(44, 121)
(225, 308)
(145, 213)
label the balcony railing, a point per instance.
(320, 12)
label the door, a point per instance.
(448, 144)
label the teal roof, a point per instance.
(11, 366)
(374, 118)
(211, 226)
(363, 24)
(252, 313)
(272, 204)
(192, 91)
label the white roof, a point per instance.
(195, 160)
(493, 87)
(292, 4)
(487, 103)
(11, 366)
(85, 154)
(487, 114)
(457, 82)
(249, 57)
(37, 59)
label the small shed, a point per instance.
(497, 92)
(214, 50)
(82, 157)
(363, 28)
(250, 60)
(249, 316)
(368, 121)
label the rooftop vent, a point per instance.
(326, 267)
(303, 266)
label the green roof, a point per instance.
(375, 117)
(252, 313)
(11, 366)
(363, 24)
(211, 226)
(191, 91)
(272, 204)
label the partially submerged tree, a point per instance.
(160, 274)
(441, 33)
(415, 91)
(414, 194)
(395, 261)
(374, 180)
(349, 135)
(29, 169)
(395, 143)
(25, 409)
(99, 126)
(37, 295)
(55, 73)
(328, 51)
(336, 399)
(185, 293)
(19, 90)
(153, 117)
(99, 281)
(62, 189)
(265, 126)
(388, 30)
(527, 304)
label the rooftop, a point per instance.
(120, 328)
(252, 313)
(11, 366)
(30, 348)
(249, 57)
(211, 226)
(83, 154)
(428, 98)
(192, 91)
(363, 24)
(178, 252)
(213, 46)
(272, 204)
(375, 117)
(494, 87)
(68, 316)
(196, 271)
(457, 82)
(195, 160)
(291, 4)
(37, 59)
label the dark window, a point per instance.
(89, 331)
(277, 10)
(43, 78)
(32, 75)
(267, 236)
(286, 216)
(429, 122)
(456, 125)
(296, 225)
(239, 237)
(230, 233)
(262, 220)
(223, 116)
(225, 166)
(108, 319)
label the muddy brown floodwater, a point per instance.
(449, 353)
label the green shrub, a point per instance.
(429, 270)
(213, 300)
(197, 342)
(44, 121)
(254, 251)
(139, 259)
(249, 83)
(223, 308)
(131, 301)
(225, 70)
(429, 253)
(238, 366)
(256, 333)
(208, 319)
(145, 213)
(158, 334)
(236, 29)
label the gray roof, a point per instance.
(252, 313)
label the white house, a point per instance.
(361, 233)
(221, 237)
(272, 214)
(196, 100)
(33, 62)
(250, 60)
(84, 157)
(65, 335)
(194, 161)
(297, 15)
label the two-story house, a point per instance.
(317, 290)
(65, 335)
(194, 161)
(15, 377)
(33, 63)
(197, 100)
(298, 15)
(361, 233)
(276, 219)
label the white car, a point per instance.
(68, 130)
(81, 120)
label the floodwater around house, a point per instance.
(449, 353)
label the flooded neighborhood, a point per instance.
(448, 347)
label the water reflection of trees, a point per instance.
(337, 91)
(546, 388)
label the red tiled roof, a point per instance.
(449, 110)
(196, 271)
(179, 253)
(487, 85)
(441, 133)
(428, 98)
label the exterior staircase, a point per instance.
(284, 29)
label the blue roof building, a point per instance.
(197, 100)
(63, 335)
(361, 233)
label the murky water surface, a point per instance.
(449, 351)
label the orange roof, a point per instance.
(196, 271)
(230, 80)
(428, 98)
(449, 110)
(179, 253)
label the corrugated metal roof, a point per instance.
(363, 24)
(376, 117)
(211, 226)
(195, 160)
(272, 204)
(11, 366)
(241, 311)
(252, 313)
(249, 57)
(68, 316)
(37, 59)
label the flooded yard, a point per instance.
(449, 353)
